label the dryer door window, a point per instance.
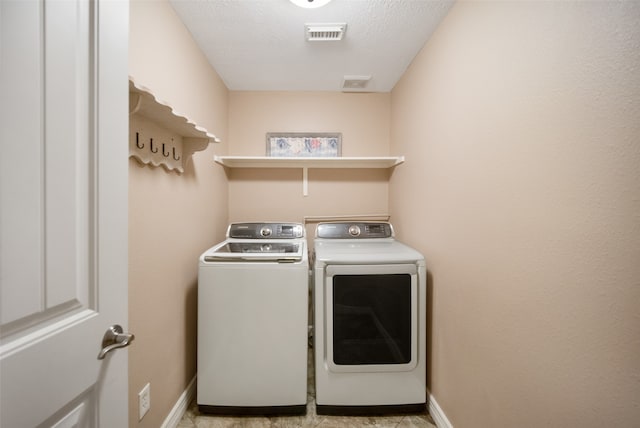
(372, 318)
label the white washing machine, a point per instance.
(252, 321)
(370, 321)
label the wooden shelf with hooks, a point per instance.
(160, 136)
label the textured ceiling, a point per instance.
(260, 45)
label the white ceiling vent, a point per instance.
(355, 83)
(324, 32)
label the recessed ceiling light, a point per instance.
(310, 4)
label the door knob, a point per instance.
(114, 338)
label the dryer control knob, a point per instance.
(265, 231)
(354, 230)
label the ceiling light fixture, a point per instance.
(310, 4)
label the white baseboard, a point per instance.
(181, 406)
(437, 414)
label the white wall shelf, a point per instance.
(160, 136)
(308, 162)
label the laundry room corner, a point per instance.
(173, 216)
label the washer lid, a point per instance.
(256, 250)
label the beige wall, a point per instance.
(172, 217)
(264, 194)
(520, 122)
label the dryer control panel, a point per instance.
(354, 230)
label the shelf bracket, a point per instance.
(305, 181)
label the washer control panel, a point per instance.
(354, 230)
(265, 231)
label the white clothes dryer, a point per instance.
(369, 321)
(252, 321)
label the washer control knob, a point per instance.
(265, 231)
(354, 230)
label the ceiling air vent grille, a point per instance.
(324, 32)
(355, 83)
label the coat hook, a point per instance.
(138, 141)
(166, 155)
(151, 146)
(174, 155)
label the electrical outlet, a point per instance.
(144, 401)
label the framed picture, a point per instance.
(304, 144)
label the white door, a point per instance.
(63, 211)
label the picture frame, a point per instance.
(304, 144)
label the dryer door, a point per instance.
(372, 317)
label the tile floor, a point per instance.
(194, 419)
